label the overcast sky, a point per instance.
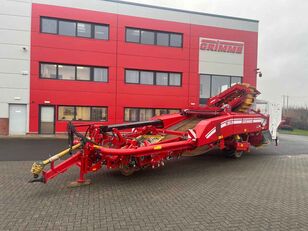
(283, 41)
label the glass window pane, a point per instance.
(66, 72)
(147, 37)
(235, 80)
(176, 40)
(172, 111)
(49, 71)
(84, 30)
(175, 79)
(146, 77)
(83, 73)
(83, 113)
(101, 32)
(100, 74)
(131, 76)
(49, 25)
(98, 114)
(132, 35)
(131, 114)
(161, 112)
(162, 78)
(205, 86)
(145, 114)
(141, 114)
(162, 39)
(66, 113)
(219, 84)
(67, 28)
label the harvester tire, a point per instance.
(231, 153)
(126, 171)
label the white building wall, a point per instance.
(221, 63)
(15, 24)
(125, 8)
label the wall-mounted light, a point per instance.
(24, 73)
(258, 72)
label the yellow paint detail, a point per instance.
(158, 147)
(220, 137)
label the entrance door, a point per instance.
(47, 120)
(18, 119)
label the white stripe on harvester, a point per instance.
(235, 121)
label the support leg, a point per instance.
(83, 170)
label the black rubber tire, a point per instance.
(127, 171)
(231, 153)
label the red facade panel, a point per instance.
(118, 55)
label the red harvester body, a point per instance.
(226, 121)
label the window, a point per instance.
(73, 72)
(100, 74)
(147, 37)
(132, 35)
(49, 25)
(98, 114)
(131, 76)
(74, 28)
(162, 78)
(145, 114)
(235, 80)
(175, 40)
(219, 84)
(48, 71)
(142, 114)
(83, 73)
(147, 77)
(131, 114)
(152, 37)
(67, 28)
(101, 32)
(162, 39)
(211, 85)
(173, 111)
(66, 113)
(66, 72)
(82, 113)
(175, 79)
(153, 78)
(161, 112)
(205, 86)
(84, 30)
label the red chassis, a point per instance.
(226, 122)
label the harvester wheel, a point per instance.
(127, 171)
(232, 153)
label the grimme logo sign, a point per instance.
(221, 46)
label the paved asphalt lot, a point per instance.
(267, 189)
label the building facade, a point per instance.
(113, 61)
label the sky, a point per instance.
(283, 41)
